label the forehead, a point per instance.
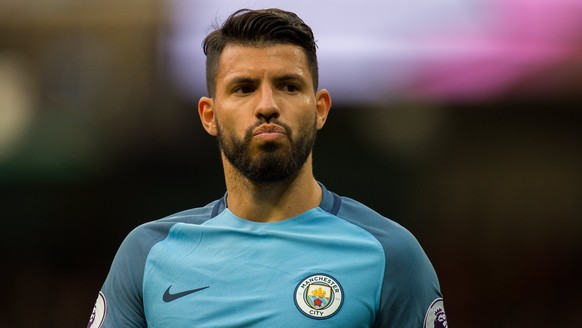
(242, 60)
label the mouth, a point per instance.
(269, 131)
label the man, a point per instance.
(279, 249)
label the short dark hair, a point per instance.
(259, 28)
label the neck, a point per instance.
(273, 201)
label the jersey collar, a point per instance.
(330, 202)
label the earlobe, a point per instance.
(323, 99)
(206, 113)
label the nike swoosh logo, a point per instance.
(169, 297)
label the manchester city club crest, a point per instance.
(319, 296)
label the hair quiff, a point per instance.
(259, 28)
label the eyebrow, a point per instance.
(289, 77)
(242, 80)
(278, 79)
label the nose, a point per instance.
(267, 107)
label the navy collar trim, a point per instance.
(330, 202)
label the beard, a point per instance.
(271, 161)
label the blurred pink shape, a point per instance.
(521, 37)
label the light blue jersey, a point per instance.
(338, 265)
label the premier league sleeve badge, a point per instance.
(435, 315)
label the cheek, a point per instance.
(230, 128)
(306, 126)
(301, 108)
(308, 117)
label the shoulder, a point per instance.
(197, 215)
(402, 251)
(387, 231)
(133, 252)
(141, 239)
(123, 288)
(146, 235)
(410, 281)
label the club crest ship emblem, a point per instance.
(319, 296)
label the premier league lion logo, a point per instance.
(435, 315)
(440, 320)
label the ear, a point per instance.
(323, 106)
(206, 113)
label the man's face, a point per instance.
(265, 110)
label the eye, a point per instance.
(245, 89)
(292, 88)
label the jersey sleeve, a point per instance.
(410, 289)
(120, 302)
(410, 293)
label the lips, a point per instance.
(269, 129)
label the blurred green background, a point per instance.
(95, 139)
